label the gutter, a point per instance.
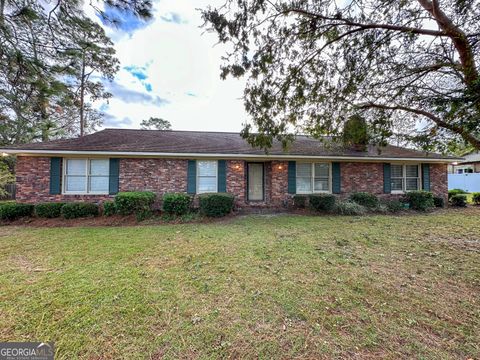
(23, 152)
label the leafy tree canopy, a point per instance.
(156, 124)
(410, 68)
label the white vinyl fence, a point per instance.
(467, 182)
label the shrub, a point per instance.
(133, 202)
(216, 205)
(476, 198)
(454, 192)
(79, 210)
(459, 200)
(300, 201)
(439, 201)
(420, 200)
(12, 211)
(49, 210)
(394, 206)
(109, 208)
(365, 199)
(176, 203)
(322, 202)
(349, 208)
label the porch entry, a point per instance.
(255, 181)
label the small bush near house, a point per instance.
(134, 202)
(439, 201)
(300, 201)
(454, 192)
(109, 208)
(420, 200)
(49, 210)
(216, 205)
(176, 203)
(12, 211)
(394, 206)
(365, 199)
(322, 202)
(79, 210)
(350, 208)
(476, 198)
(459, 200)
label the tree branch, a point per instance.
(467, 136)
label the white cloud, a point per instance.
(182, 65)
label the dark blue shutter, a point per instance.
(292, 177)
(336, 178)
(426, 177)
(55, 175)
(387, 179)
(113, 176)
(192, 177)
(222, 176)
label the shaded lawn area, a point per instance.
(256, 286)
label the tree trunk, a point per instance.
(82, 95)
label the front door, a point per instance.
(255, 181)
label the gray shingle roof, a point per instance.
(197, 142)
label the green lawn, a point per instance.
(252, 287)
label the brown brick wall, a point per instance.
(170, 175)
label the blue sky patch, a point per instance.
(173, 17)
(123, 20)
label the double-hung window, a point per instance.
(405, 177)
(313, 177)
(86, 176)
(207, 172)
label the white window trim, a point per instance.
(312, 179)
(198, 177)
(404, 177)
(87, 172)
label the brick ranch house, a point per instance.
(95, 167)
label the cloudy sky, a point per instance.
(170, 68)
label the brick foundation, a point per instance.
(170, 175)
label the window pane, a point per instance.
(99, 183)
(76, 166)
(397, 184)
(99, 167)
(304, 184)
(321, 170)
(207, 168)
(411, 184)
(207, 184)
(304, 170)
(411, 170)
(397, 171)
(75, 183)
(321, 184)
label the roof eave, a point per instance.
(26, 152)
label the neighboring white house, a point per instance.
(465, 174)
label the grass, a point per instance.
(253, 287)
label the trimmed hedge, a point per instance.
(476, 198)
(439, 201)
(300, 201)
(109, 208)
(12, 211)
(176, 203)
(420, 200)
(454, 192)
(349, 208)
(48, 210)
(365, 199)
(134, 202)
(459, 200)
(216, 205)
(79, 210)
(322, 202)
